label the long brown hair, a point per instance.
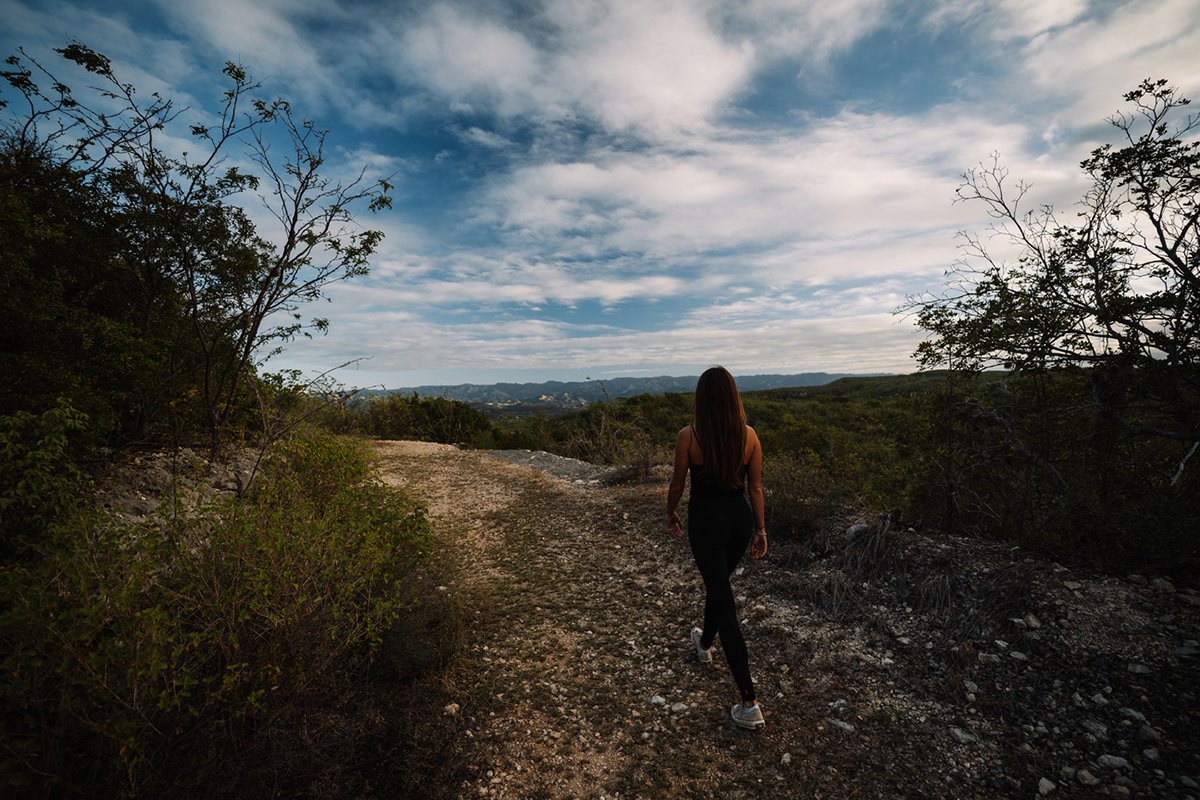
(719, 421)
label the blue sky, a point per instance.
(635, 187)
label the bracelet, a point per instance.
(761, 532)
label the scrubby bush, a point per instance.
(800, 496)
(39, 480)
(138, 658)
(429, 419)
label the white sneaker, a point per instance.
(705, 655)
(748, 718)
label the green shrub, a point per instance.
(136, 655)
(429, 419)
(39, 481)
(800, 496)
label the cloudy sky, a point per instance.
(631, 187)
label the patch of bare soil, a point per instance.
(889, 663)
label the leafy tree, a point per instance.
(1096, 321)
(68, 318)
(187, 243)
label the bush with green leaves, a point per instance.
(428, 419)
(135, 655)
(39, 481)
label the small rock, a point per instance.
(1139, 580)
(1138, 669)
(658, 700)
(971, 687)
(989, 658)
(1149, 734)
(961, 736)
(1087, 778)
(856, 529)
(1132, 713)
(1116, 790)
(678, 708)
(1019, 656)
(1067, 773)
(1032, 622)
(1099, 699)
(1162, 585)
(1046, 786)
(786, 759)
(1188, 782)
(451, 710)
(1112, 762)
(1097, 729)
(1073, 585)
(1150, 754)
(846, 726)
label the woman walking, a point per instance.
(724, 457)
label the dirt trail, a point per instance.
(576, 678)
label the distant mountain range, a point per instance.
(558, 396)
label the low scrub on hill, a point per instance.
(152, 656)
(427, 419)
(1051, 472)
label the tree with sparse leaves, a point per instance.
(1095, 321)
(219, 295)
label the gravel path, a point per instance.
(576, 677)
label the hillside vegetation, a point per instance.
(917, 446)
(174, 652)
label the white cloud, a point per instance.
(655, 64)
(457, 285)
(488, 139)
(857, 195)
(858, 343)
(803, 30)
(1092, 63)
(470, 60)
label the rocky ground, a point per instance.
(890, 663)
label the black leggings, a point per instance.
(719, 530)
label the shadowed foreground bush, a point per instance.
(149, 659)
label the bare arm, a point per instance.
(758, 547)
(675, 493)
